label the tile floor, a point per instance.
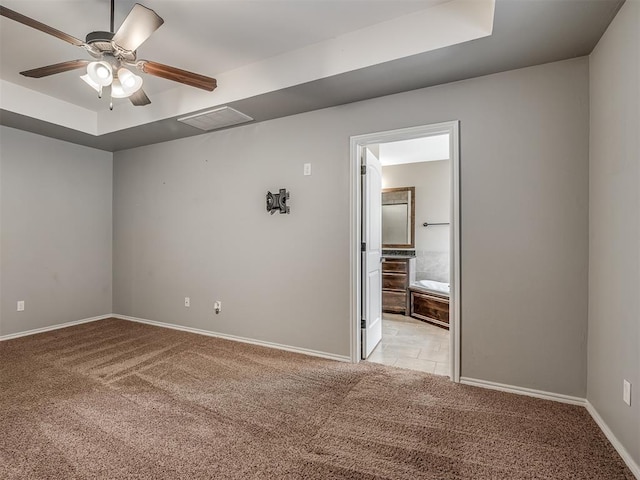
(410, 343)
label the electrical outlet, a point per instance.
(217, 306)
(626, 392)
(21, 305)
(187, 302)
(307, 169)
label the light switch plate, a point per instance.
(626, 392)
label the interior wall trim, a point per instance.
(556, 397)
(35, 331)
(356, 145)
(626, 456)
(261, 343)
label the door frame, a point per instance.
(371, 254)
(357, 143)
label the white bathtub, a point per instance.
(430, 302)
(432, 285)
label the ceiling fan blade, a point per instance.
(177, 75)
(55, 68)
(30, 22)
(137, 27)
(139, 98)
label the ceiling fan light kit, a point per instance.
(100, 73)
(131, 82)
(87, 79)
(113, 52)
(117, 91)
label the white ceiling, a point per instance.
(426, 149)
(278, 57)
(251, 47)
(208, 37)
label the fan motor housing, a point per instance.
(100, 43)
(103, 43)
(94, 37)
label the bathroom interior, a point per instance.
(416, 209)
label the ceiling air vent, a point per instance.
(216, 118)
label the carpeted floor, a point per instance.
(114, 399)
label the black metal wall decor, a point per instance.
(277, 202)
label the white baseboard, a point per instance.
(304, 351)
(556, 397)
(53, 327)
(633, 466)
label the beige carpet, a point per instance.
(114, 399)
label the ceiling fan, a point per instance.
(113, 53)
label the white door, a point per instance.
(371, 253)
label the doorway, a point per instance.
(366, 266)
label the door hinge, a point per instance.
(363, 246)
(363, 323)
(363, 169)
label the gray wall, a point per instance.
(524, 164)
(432, 181)
(55, 231)
(614, 232)
(190, 221)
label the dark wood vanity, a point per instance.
(398, 232)
(399, 293)
(398, 272)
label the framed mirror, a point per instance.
(398, 217)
